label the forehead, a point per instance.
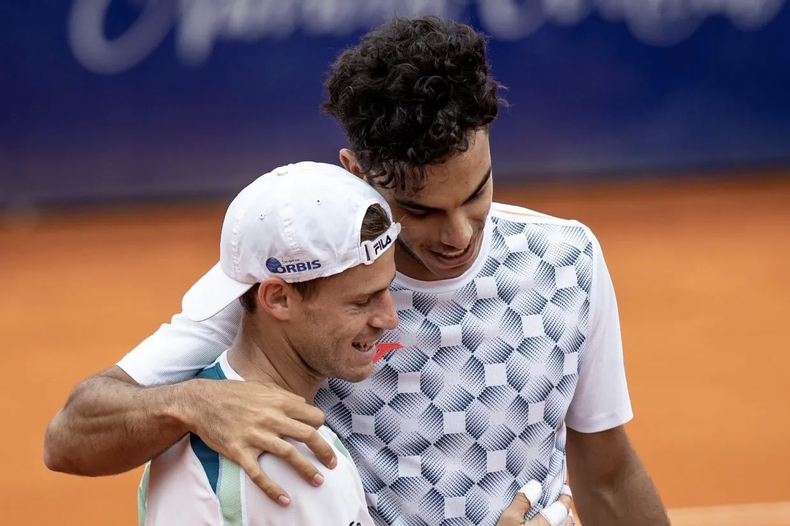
(362, 278)
(452, 180)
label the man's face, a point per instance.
(334, 331)
(442, 224)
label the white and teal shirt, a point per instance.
(191, 485)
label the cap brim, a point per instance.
(212, 293)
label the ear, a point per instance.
(349, 162)
(276, 298)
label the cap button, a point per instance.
(281, 170)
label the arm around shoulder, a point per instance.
(111, 423)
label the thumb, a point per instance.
(526, 497)
(556, 514)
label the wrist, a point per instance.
(179, 407)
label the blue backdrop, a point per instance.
(104, 99)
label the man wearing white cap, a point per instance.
(307, 249)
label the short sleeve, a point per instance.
(601, 400)
(180, 349)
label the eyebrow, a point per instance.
(378, 291)
(405, 203)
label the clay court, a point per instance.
(700, 268)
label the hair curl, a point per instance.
(410, 95)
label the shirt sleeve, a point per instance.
(601, 400)
(180, 349)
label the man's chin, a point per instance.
(357, 375)
(434, 267)
(449, 273)
(452, 267)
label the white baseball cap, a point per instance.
(298, 222)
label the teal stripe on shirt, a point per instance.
(209, 458)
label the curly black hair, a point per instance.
(410, 95)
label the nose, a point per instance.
(385, 317)
(456, 231)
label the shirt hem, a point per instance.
(602, 422)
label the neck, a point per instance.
(262, 354)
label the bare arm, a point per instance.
(110, 425)
(610, 484)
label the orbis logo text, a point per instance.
(274, 265)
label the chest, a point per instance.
(501, 352)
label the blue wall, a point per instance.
(197, 97)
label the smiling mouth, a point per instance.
(456, 258)
(452, 255)
(362, 347)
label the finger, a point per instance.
(307, 435)
(303, 412)
(321, 449)
(523, 501)
(290, 454)
(532, 490)
(250, 465)
(566, 500)
(557, 513)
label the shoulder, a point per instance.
(513, 220)
(340, 495)
(337, 481)
(519, 214)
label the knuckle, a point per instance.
(268, 419)
(290, 452)
(313, 436)
(271, 492)
(305, 468)
(280, 448)
(264, 418)
(235, 451)
(279, 402)
(320, 417)
(522, 500)
(254, 471)
(307, 436)
(327, 454)
(262, 480)
(256, 475)
(271, 489)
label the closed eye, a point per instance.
(418, 213)
(364, 303)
